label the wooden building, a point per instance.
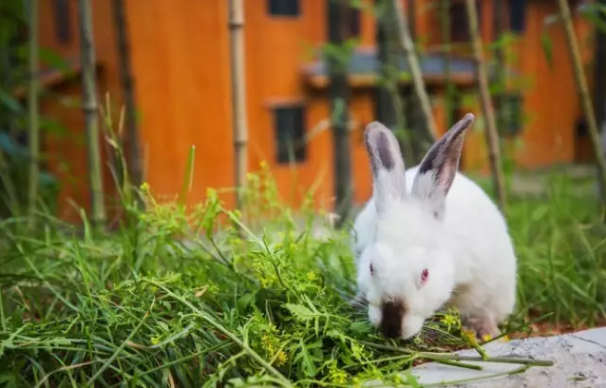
(179, 51)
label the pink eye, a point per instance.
(424, 275)
(372, 270)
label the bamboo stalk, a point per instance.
(446, 40)
(126, 81)
(492, 136)
(500, 75)
(339, 96)
(32, 102)
(90, 107)
(390, 104)
(415, 69)
(238, 87)
(582, 89)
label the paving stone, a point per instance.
(579, 361)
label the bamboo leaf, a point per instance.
(8, 101)
(189, 172)
(53, 59)
(594, 13)
(52, 126)
(547, 46)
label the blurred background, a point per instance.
(206, 91)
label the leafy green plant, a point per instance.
(176, 296)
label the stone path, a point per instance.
(579, 361)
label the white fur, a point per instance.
(466, 248)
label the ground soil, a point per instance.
(544, 329)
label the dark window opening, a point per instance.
(517, 19)
(459, 27)
(352, 23)
(289, 129)
(511, 113)
(581, 128)
(61, 16)
(283, 7)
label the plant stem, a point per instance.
(521, 369)
(500, 75)
(121, 347)
(339, 93)
(415, 69)
(240, 130)
(491, 133)
(32, 101)
(458, 364)
(87, 53)
(189, 175)
(446, 40)
(390, 104)
(254, 355)
(128, 92)
(2, 314)
(455, 357)
(582, 89)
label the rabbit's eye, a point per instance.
(372, 270)
(424, 275)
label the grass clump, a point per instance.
(177, 298)
(204, 297)
(559, 239)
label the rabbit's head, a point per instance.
(407, 271)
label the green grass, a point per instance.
(177, 297)
(559, 239)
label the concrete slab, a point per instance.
(579, 361)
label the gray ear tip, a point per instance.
(374, 129)
(375, 126)
(468, 119)
(462, 125)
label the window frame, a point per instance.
(282, 156)
(61, 10)
(462, 26)
(268, 10)
(353, 21)
(511, 113)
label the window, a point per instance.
(517, 10)
(344, 18)
(289, 127)
(283, 7)
(459, 27)
(511, 113)
(352, 22)
(61, 13)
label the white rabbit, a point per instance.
(443, 242)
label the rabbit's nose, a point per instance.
(391, 322)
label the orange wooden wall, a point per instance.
(66, 152)
(181, 64)
(180, 58)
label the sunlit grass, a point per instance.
(203, 296)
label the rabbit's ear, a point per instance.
(437, 170)
(387, 165)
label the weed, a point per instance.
(202, 296)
